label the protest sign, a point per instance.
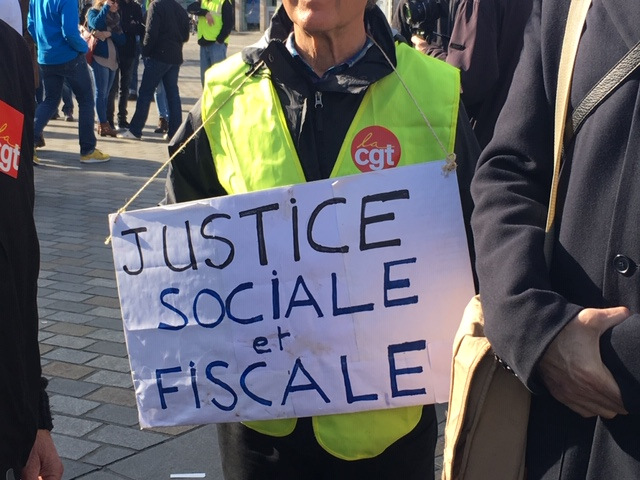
(334, 296)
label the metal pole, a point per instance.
(264, 18)
(241, 20)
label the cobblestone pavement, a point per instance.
(82, 342)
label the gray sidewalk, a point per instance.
(82, 343)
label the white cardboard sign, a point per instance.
(334, 296)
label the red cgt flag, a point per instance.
(11, 123)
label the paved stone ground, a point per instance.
(82, 342)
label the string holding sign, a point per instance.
(181, 148)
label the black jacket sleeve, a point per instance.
(523, 312)
(192, 174)
(152, 31)
(228, 21)
(467, 151)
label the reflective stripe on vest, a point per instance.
(211, 32)
(387, 131)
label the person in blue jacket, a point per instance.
(53, 24)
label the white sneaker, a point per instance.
(95, 157)
(128, 134)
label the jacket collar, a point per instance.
(377, 62)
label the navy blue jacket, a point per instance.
(597, 233)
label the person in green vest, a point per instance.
(216, 19)
(288, 110)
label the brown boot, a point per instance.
(105, 130)
(163, 126)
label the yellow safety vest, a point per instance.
(211, 32)
(253, 150)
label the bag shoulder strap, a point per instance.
(601, 90)
(573, 30)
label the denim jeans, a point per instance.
(67, 96)
(161, 101)
(155, 72)
(160, 97)
(67, 99)
(120, 87)
(103, 79)
(76, 72)
(210, 54)
(133, 86)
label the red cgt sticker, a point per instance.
(375, 148)
(11, 123)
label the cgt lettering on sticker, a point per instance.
(10, 139)
(375, 148)
(9, 159)
(9, 155)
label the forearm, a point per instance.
(97, 20)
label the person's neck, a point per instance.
(322, 52)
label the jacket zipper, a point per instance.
(319, 106)
(319, 128)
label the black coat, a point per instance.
(23, 402)
(485, 43)
(525, 305)
(167, 30)
(132, 24)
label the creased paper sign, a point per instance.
(333, 296)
